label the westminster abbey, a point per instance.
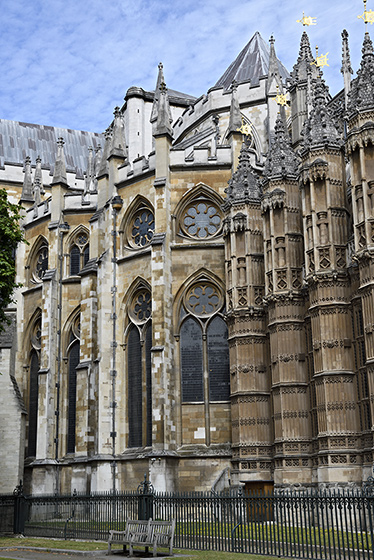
(197, 297)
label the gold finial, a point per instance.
(367, 16)
(321, 60)
(280, 98)
(245, 129)
(307, 20)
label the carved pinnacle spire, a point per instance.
(244, 185)
(273, 72)
(303, 65)
(361, 96)
(27, 190)
(281, 160)
(59, 175)
(319, 128)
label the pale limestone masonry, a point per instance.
(199, 304)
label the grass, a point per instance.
(50, 544)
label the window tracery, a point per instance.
(203, 332)
(138, 349)
(79, 252)
(39, 263)
(199, 214)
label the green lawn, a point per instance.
(50, 544)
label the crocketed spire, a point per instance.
(361, 96)
(59, 175)
(320, 128)
(27, 190)
(303, 65)
(282, 160)
(244, 185)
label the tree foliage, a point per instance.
(10, 235)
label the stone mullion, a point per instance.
(234, 269)
(314, 225)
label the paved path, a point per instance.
(30, 553)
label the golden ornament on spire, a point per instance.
(321, 60)
(367, 16)
(280, 98)
(307, 20)
(245, 129)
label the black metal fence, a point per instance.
(330, 524)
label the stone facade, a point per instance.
(199, 304)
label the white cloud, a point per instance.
(68, 63)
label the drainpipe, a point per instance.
(117, 203)
(63, 227)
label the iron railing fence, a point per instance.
(329, 524)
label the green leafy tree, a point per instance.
(10, 235)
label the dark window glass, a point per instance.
(74, 260)
(191, 342)
(218, 361)
(72, 396)
(148, 346)
(134, 368)
(86, 255)
(33, 404)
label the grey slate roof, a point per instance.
(19, 139)
(251, 63)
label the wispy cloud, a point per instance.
(68, 63)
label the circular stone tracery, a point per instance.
(203, 299)
(143, 226)
(41, 263)
(141, 308)
(201, 220)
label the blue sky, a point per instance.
(68, 63)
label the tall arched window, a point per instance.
(79, 252)
(204, 350)
(34, 387)
(139, 344)
(73, 361)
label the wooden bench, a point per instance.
(144, 533)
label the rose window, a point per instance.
(143, 227)
(142, 306)
(203, 299)
(201, 220)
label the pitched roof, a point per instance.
(251, 63)
(19, 139)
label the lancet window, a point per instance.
(204, 352)
(79, 252)
(36, 335)
(73, 353)
(139, 380)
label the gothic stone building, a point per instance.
(197, 298)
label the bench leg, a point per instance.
(155, 550)
(109, 549)
(131, 550)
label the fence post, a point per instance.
(145, 499)
(19, 509)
